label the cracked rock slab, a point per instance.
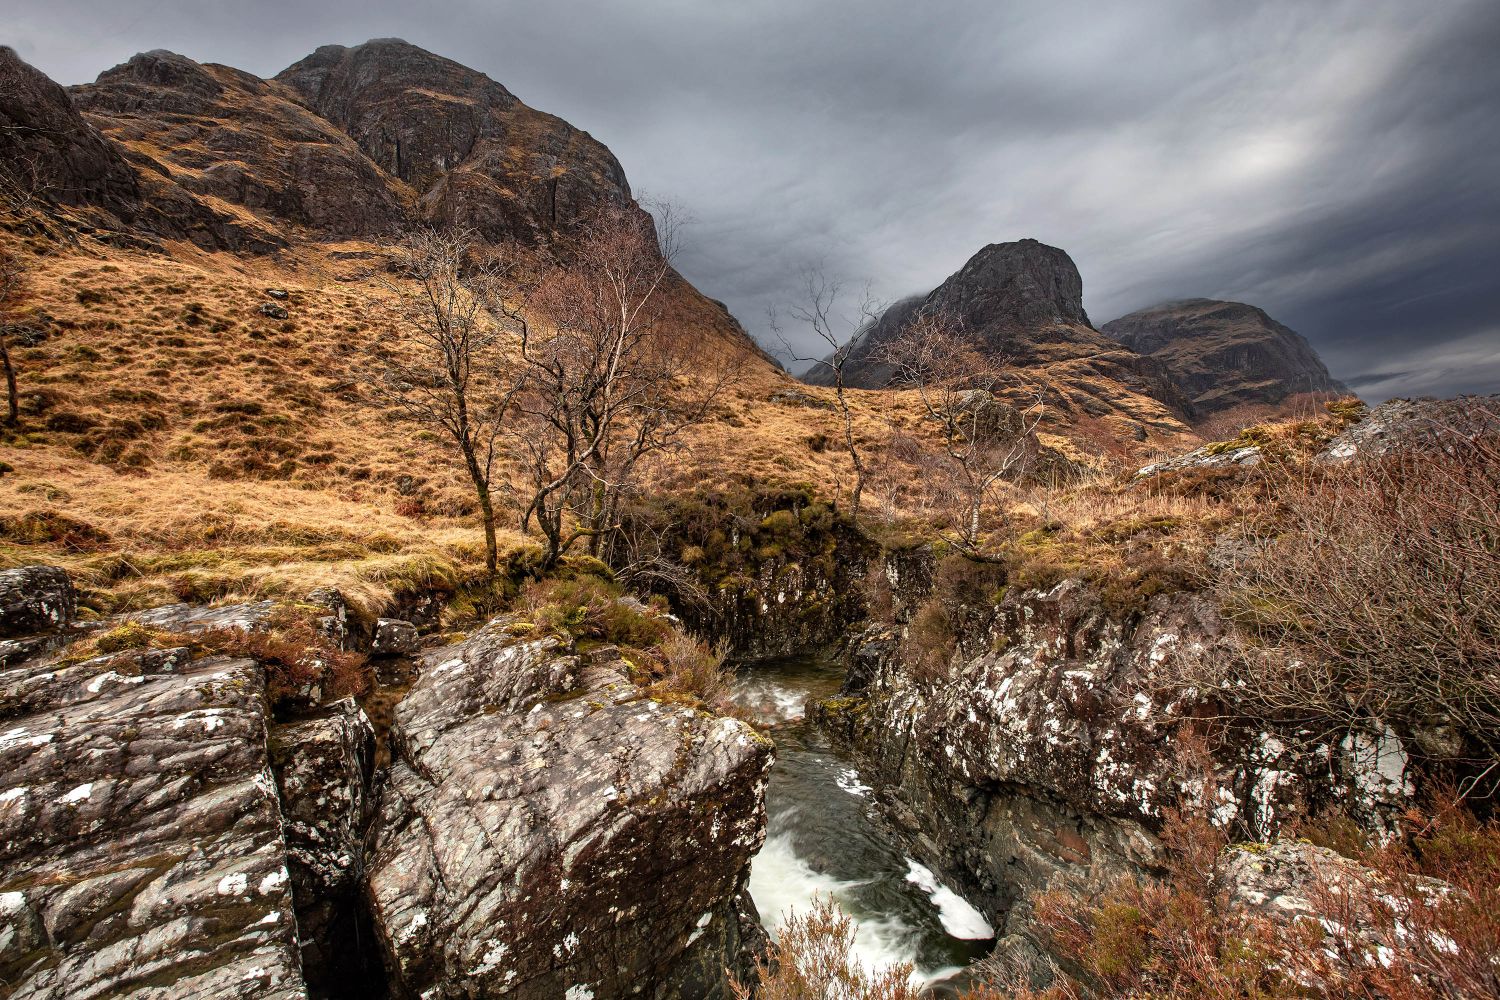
(547, 828)
(140, 838)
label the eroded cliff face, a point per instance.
(1056, 742)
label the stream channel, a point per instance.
(824, 838)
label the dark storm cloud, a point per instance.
(1337, 163)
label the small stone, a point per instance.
(394, 637)
(272, 310)
(277, 293)
(35, 599)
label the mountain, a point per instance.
(470, 150)
(1023, 301)
(1224, 354)
(354, 142)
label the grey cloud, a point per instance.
(1337, 162)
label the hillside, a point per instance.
(1225, 354)
(158, 374)
(412, 586)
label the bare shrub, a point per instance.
(984, 441)
(12, 294)
(814, 960)
(609, 384)
(442, 364)
(689, 666)
(1409, 920)
(843, 337)
(1376, 586)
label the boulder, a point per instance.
(324, 768)
(1415, 424)
(35, 599)
(272, 310)
(548, 830)
(190, 618)
(394, 637)
(141, 838)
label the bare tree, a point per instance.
(12, 292)
(984, 439)
(443, 363)
(608, 384)
(818, 313)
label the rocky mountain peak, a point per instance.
(1014, 286)
(473, 152)
(1022, 302)
(46, 144)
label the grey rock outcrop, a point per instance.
(140, 837)
(1054, 743)
(1415, 424)
(394, 637)
(548, 831)
(35, 599)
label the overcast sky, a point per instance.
(1336, 163)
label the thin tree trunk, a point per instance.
(486, 506)
(12, 398)
(859, 467)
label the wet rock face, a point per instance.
(140, 836)
(35, 599)
(549, 831)
(1057, 740)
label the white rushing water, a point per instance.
(824, 840)
(783, 884)
(958, 916)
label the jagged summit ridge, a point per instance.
(471, 150)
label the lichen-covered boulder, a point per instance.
(1399, 424)
(196, 618)
(324, 768)
(394, 637)
(141, 853)
(548, 830)
(35, 599)
(1060, 738)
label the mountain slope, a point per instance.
(1224, 354)
(1023, 302)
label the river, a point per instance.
(823, 839)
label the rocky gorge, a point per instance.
(545, 826)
